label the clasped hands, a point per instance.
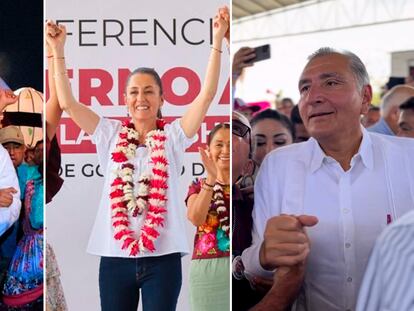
(286, 246)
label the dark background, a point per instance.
(21, 43)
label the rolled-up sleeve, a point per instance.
(8, 178)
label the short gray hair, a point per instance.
(355, 63)
(395, 97)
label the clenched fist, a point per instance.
(285, 241)
(6, 196)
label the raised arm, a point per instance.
(53, 110)
(193, 117)
(84, 117)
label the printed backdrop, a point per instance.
(106, 40)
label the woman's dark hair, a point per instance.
(147, 71)
(151, 72)
(295, 116)
(276, 116)
(215, 130)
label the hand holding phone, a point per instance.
(262, 53)
(241, 59)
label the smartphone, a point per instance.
(262, 53)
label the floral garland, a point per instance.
(152, 189)
(222, 235)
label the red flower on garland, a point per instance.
(160, 124)
(148, 244)
(122, 188)
(119, 157)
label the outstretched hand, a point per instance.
(241, 59)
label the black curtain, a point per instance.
(21, 43)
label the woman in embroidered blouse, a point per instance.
(140, 235)
(208, 203)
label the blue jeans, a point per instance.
(121, 279)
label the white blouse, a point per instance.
(172, 237)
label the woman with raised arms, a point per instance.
(139, 230)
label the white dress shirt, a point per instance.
(8, 178)
(388, 281)
(353, 207)
(172, 237)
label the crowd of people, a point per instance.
(21, 209)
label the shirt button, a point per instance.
(349, 279)
(347, 245)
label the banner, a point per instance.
(106, 41)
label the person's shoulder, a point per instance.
(173, 127)
(28, 171)
(293, 151)
(106, 130)
(106, 122)
(113, 122)
(399, 231)
(407, 220)
(392, 141)
(3, 151)
(375, 128)
(281, 159)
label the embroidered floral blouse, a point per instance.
(211, 239)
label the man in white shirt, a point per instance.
(390, 112)
(344, 183)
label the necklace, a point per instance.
(152, 189)
(225, 187)
(222, 235)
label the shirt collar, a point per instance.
(317, 155)
(384, 127)
(365, 152)
(366, 149)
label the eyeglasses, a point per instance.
(240, 129)
(243, 131)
